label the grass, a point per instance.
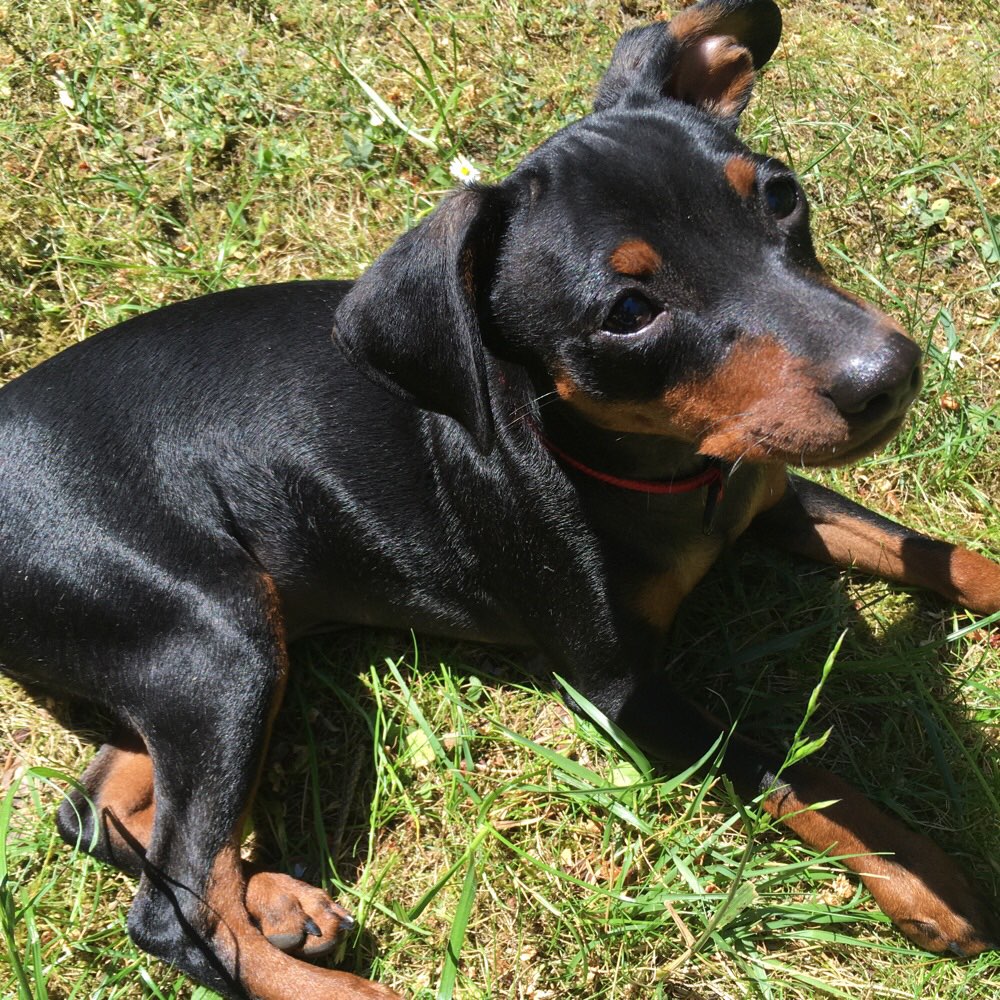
(491, 844)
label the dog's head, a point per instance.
(649, 269)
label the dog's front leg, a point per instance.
(915, 883)
(817, 522)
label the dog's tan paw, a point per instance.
(295, 917)
(931, 901)
(975, 581)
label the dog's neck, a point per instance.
(638, 457)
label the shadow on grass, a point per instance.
(749, 643)
(759, 629)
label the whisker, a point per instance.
(520, 412)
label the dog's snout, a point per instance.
(878, 385)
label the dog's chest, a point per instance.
(656, 550)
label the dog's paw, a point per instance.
(914, 882)
(975, 581)
(293, 916)
(932, 903)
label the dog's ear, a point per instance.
(706, 56)
(413, 322)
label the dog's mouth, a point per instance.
(800, 425)
(774, 430)
(776, 445)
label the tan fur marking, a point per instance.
(742, 175)
(125, 797)
(266, 972)
(714, 73)
(924, 891)
(714, 70)
(734, 78)
(976, 581)
(280, 904)
(760, 404)
(773, 489)
(658, 599)
(276, 619)
(689, 25)
(770, 489)
(636, 258)
(272, 607)
(626, 417)
(659, 595)
(695, 24)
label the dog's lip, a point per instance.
(854, 450)
(829, 457)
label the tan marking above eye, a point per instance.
(636, 259)
(741, 174)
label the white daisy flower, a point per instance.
(463, 170)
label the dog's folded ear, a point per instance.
(706, 56)
(413, 322)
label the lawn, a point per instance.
(490, 844)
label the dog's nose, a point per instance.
(881, 384)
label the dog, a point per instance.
(535, 420)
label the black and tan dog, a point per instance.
(537, 419)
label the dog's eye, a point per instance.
(630, 313)
(782, 196)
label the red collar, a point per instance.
(712, 476)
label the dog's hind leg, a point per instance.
(203, 707)
(112, 820)
(112, 817)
